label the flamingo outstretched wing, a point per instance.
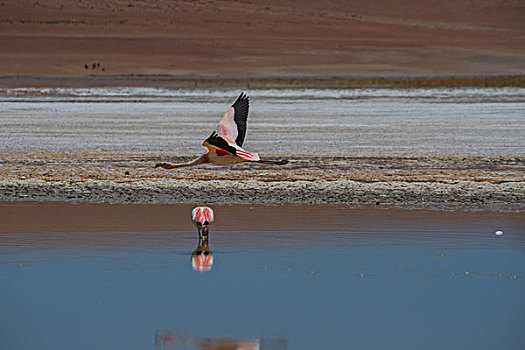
(232, 126)
(224, 147)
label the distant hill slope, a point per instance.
(275, 38)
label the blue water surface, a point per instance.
(334, 289)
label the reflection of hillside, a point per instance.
(173, 340)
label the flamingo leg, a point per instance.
(278, 162)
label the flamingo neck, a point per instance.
(200, 160)
(170, 165)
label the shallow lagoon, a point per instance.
(283, 278)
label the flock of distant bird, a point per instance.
(94, 66)
(223, 147)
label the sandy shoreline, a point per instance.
(425, 182)
(464, 194)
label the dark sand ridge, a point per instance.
(262, 39)
(425, 182)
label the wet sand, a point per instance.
(283, 277)
(143, 218)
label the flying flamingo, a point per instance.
(224, 147)
(202, 217)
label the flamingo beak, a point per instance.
(205, 232)
(158, 164)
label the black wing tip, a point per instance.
(241, 99)
(242, 108)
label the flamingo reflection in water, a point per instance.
(202, 256)
(174, 340)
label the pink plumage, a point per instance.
(202, 217)
(224, 147)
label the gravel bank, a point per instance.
(461, 194)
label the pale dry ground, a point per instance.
(274, 38)
(425, 182)
(81, 166)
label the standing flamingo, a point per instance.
(202, 217)
(224, 147)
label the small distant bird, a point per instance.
(224, 147)
(202, 217)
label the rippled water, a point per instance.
(282, 278)
(442, 121)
